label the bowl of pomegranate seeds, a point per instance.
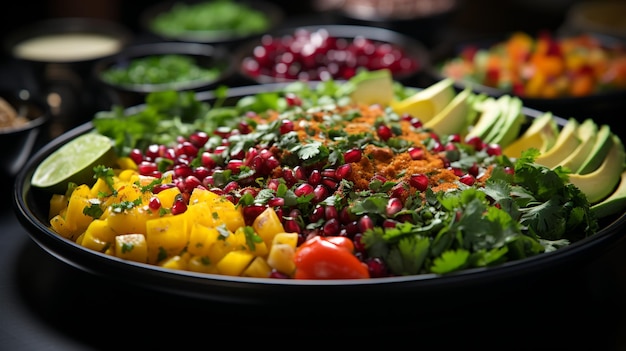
(318, 53)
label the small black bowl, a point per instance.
(226, 36)
(58, 55)
(20, 140)
(203, 55)
(412, 50)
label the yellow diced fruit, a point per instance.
(126, 163)
(234, 262)
(98, 236)
(168, 196)
(198, 234)
(57, 204)
(281, 258)
(290, 239)
(75, 220)
(131, 247)
(203, 213)
(166, 236)
(100, 187)
(258, 268)
(222, 210)
(201, 264)
(58, 224)
(131, 221)
(179, 262)
(267, 225)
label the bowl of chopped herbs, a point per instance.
(144, 68)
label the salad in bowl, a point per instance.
(364, 180)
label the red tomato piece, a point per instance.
(328, 258)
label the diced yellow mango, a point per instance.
(179, 262)
(126, 163)
(290, 239)
(166, 236)
(168, 196)
(130, 221)
(204, 214)
(234, 262)
(222, 210)
(131, 247)
(57, 204)
(267, 225)
(281, 258)
(201, 264)
(75, 220)
(258, 268)
(100, 187)
(98, 236)
(198, 243)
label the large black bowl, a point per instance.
(31, 207)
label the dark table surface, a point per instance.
(47, 304)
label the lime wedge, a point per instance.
(74, 162)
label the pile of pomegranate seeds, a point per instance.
(317, 55)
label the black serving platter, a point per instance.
(477, 285)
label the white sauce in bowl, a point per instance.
(67, 47)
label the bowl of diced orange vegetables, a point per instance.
(569, 75)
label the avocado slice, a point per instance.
(602, 145)
(490, 113)
(511, 124)
(615, 203)
(586, 132)
(454, 117)
(503, 105)
(541, 135)
(600, 183)
(370, 87)
(566, 142)
(428, 102)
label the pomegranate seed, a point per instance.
(343, 171)
(179, 206)
(136, 156)
(304, 189)
(320, 192)
(384, 132)
(376, 267)
(276, 202)
(286, 126)
(358, 245)
(331, 227)
(353, 155)
(250, 213)
(155, 203)
(394, 205)
(291, 226)
(198, 139)
(419, 181)
(315, 177)
(416, 153)
(365, 223)
(317, 214)
(467, 179)
(274, 274)
(475, 142)
(494, 150)
(331, 212)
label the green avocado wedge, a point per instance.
(371, 87)
(601, 183)
(586, 133)
(602, 145)
(566, 142)
(454, 117)
(615, 203)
